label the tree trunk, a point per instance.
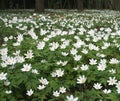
(39, 5)
(118, 4)
(80, 5)
(24, 4)
(2, 4)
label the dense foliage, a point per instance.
(60, 57)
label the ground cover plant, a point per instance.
(60, 57)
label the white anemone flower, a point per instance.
(56, 93)
(73, 51)
(29, 54)
(107, 91)
(62, 90)
(3, 76)
(112, 81)
(82, 79)
(4, 51)
(30, 92)
(41, 45)
(54, 46)
(97, 86)
(71, 98)
(44, 81)
(26, 68)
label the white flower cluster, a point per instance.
(44, 82)
(58, 73)
(61, 90)
(78, 48)
(10, 60)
